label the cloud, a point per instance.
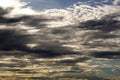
(82, 36)
(12, 3)
(56, 32)
(116, 2)
(106, 23)
(5, 20)
(31, 20)
(107, 54)
(74, 61)
(12, 39)
(16, 40)
(18, 7)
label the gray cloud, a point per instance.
(102, 36)
(17, 39)
(107, 54)
(92, 35)
(61, 41)
(13, 39)
(106, 23)
(32, 21)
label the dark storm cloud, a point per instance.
(12, 39)
(50, 52)
(107, 54)
(105, 24)
(17, 40)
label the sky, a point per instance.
(57, 33)
(44, 4)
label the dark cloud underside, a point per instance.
(50, 42)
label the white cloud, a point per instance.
(115, 2)
(79, 13)
(11, 3)
(17, 6)
(69, 16)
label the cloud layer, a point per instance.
(77, 30)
